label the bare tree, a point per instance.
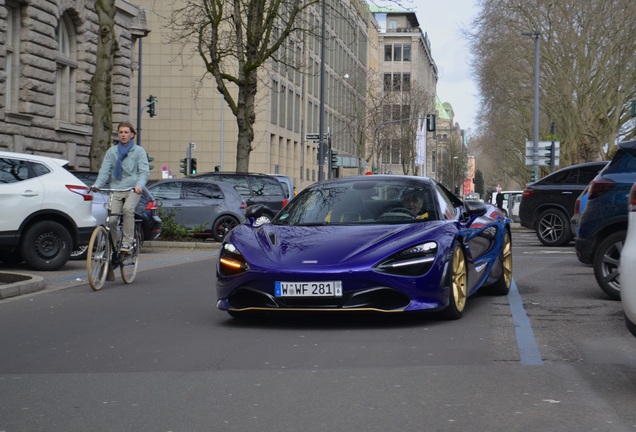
(235, 39)
(586, 76)
(100, 101)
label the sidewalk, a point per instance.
(17, 280)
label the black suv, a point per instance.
(255, 189)
(547, 205)
(603, 223)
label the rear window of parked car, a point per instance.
(623, 161)
(582, 175)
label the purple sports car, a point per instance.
(367, 243)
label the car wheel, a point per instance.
(553, 228)
(606, 260)
(502, 286)
(46, 245)
(80, 253)
(222, 226)
(458, 285)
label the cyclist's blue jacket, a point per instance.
(134, 168)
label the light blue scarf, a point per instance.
(122, 152)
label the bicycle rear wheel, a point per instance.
(97, 258)
(130, 261)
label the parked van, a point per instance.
(288, 186)
(508, 200)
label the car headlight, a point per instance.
(413, 261)
(231, 261)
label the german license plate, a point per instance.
(309, 289)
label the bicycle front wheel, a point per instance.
(97, 258)
(130, 261)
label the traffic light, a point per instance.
(150, 159)
(183, 163)
(193, 166)
(551, 153)
(430, 123)
(151, 105)
(334, 159)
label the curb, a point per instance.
(16, 284)
(13, 284)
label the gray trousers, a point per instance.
(124, 203)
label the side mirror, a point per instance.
(473, 209)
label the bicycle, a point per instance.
(104, 257)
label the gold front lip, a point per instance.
(296, 309)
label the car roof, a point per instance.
(27, 156)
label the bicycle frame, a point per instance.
(104, 254)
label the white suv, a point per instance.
(46, 211)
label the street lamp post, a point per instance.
(321, 142)
(535, 139)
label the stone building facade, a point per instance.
(47, 58)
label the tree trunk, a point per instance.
(245, 120)
(100, 101)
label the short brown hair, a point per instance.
(128, 125)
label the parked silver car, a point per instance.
(207, 208)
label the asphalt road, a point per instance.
(157, 356)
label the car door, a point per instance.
(168, 196)
(21, 190)
(200, 204)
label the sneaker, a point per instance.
(125, 248)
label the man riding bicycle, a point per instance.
(125, 166)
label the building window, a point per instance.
(406, 82)
(66, 71)
(13, 57)
(281, 100)
(387, 82)
(388, 52)
(274, 103)
(397, 53)
(406, 52)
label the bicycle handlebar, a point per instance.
(94, 189)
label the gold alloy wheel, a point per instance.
(459, 279)
(507, 260)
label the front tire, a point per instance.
(458, 286)
(553, 228)
(502, 286)
(606, 261)
(46, 245)
(98, 257)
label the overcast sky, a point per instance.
(442, 21)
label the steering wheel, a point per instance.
(399, 211)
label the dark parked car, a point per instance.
(255, 189)
(146, 210)
(205, 207)
(603, 223)
(547, 205)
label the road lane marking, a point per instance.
(528, 350)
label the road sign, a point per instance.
(315, 136)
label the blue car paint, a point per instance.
(350, 252)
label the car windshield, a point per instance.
(356, 202)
